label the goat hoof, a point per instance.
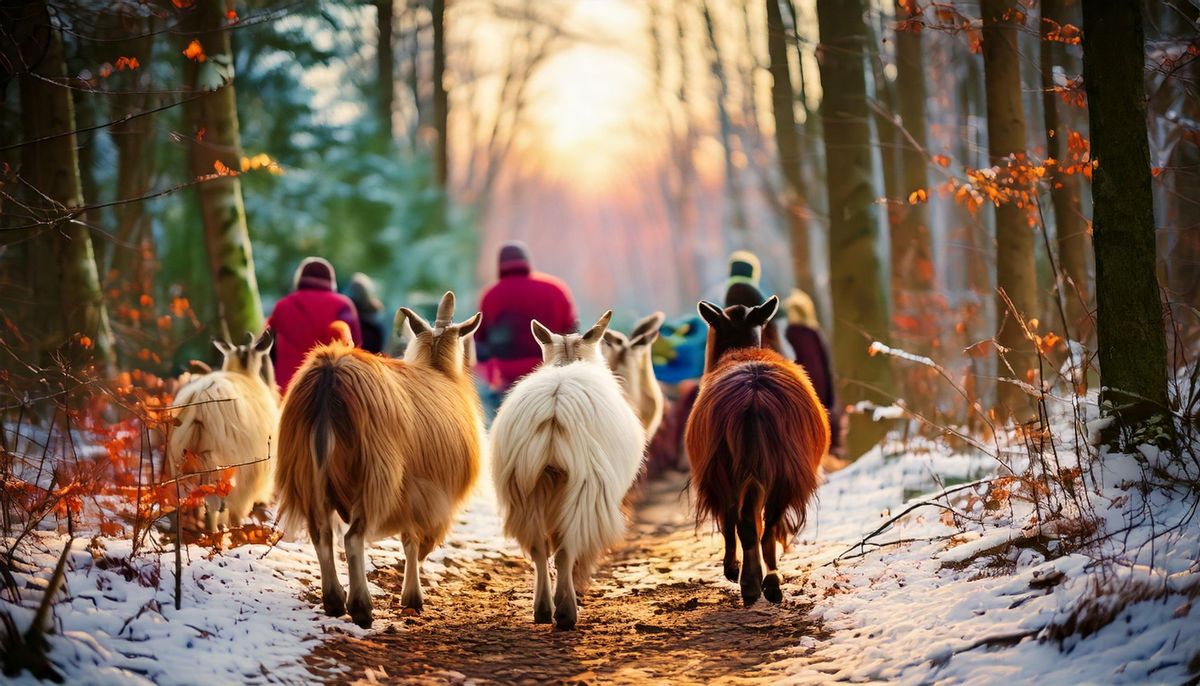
(731, 570)
(415, 605)
(771, 590)
(751, 590)
(542, 615)
(361, 614)
(335, 603)
(564, 620)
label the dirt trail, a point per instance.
(658, 611)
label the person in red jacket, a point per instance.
(505, 347)
(302, 318)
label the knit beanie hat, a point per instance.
(744, 267)
(315, 274)
(514, 257)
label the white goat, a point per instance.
(230, 417)
(629, 358)
(566, 448)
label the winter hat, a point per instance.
(362, 291)
(744, 267)
(801, 310)
(514, 258)
(316, 274)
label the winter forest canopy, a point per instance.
(994, 205)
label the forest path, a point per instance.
(659, 610)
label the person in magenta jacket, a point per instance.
(301, 318)
(505, 347)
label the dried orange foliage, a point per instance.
(195, 52)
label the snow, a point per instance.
(964, 587)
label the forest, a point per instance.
(979, 220)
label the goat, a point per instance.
(566, 447)
(629, 359)
(755, 439)
(391, 446)
(229, 417)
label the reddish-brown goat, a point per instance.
(755, 439)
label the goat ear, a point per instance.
(470, 326)
(762, 314)
(415, 321)
(613, 338)
(595, 333)
(710, 312)
(541, 333)
(221, 345)
(645, 331)
(265, 340)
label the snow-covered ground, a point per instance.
(970, 587)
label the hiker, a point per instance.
(367, 304)
(302, 318)
(812, 352)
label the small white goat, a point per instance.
(566, 448)
(629, 358)
(230, 417)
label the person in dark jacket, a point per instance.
(505, 347)
(301, 318)
(812, 353)
(362, 293)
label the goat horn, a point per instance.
(445, 311)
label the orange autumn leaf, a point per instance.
(195, 52)
(918, 196)
(129, 63)
(941, 160)
(85, 341)
(222, 169)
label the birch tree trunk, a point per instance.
(1130, 331)
(857, 270)
(783, 103)
(222, 213)
(736, 210)
(66, 301)
(1016, 275)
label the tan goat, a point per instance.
(392, 446)
(629, 358)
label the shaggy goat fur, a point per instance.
(230, 417)
(391, 446)
(629, 359)
(566, 447)
(755, 438)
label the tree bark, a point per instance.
(441, 102)
(222, 212)
(1070, 226)
(736, 210)
(1130, 331)
(1016, 275)
(131, 248)
(66, 300)
(385, 68)
(783, 103)
(857, 270)
(912, 247)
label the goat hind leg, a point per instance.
(770, 549)
(748, 527)
(410, 597)
(360, 597)
(566, 610)
(729, 528)
(333, 596)
(543, 606)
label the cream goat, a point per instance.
(566, 447)
(229, 417)
(629, 358)
(391, 446)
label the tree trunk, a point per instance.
(131, 248)
(783, 103)
(912, 246)
(1016, 275)
(1130, 331)
(441, 103)
(1070, 227)
(385, 67)
(66, 300)
(857, 270)
(736, 210)
(221, 210)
